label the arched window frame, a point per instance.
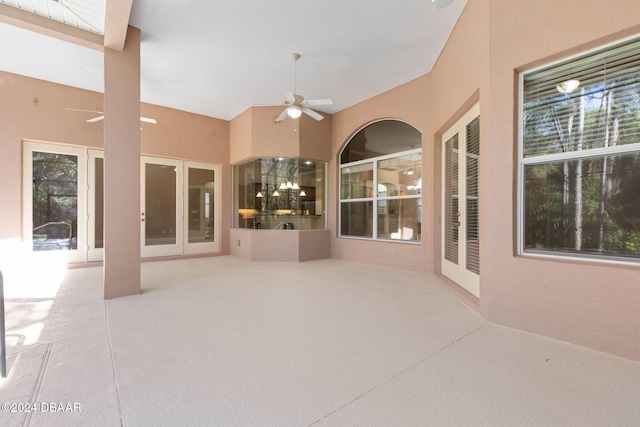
(360, 192)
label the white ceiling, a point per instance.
(218, 58)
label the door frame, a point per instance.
(201, 247)
(168, 249)
(28, 147)
(458, 272)
(93, 253)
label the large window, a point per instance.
(381, 183)
(580, 156)
(280, 194)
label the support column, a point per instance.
(122, 168)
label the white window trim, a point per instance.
(375, 198)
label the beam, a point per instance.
(48, 27)
(116, 22)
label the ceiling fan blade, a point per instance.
(282, 115)
(441, 4)
(288, 96)
(95, 119)
(309, 112)
(148, 120)
(312, 102)
(85, 111)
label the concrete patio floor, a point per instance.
(225, 342)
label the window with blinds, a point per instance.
(473, 200)
(580, 155)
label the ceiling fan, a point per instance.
(296, 104)
(441, 4)
(101, 116)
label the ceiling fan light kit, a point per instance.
(294, 112)
(296, 104)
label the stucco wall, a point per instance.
(591, 304)
(430, 104)
(587, 303)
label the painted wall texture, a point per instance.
(587, 303)
(35, 110)
(591, 304)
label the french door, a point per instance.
(160, 203)
(63, 204)
(178, 207)
(460, 205)
(54, 201)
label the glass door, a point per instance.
(200, 208)
(161, 211)
(460, 205)
(95, 207)
(53, 204)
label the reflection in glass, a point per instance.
(356, 219)
(401, 176)
(160, 204)
(587, 206)
(381, 182)
(277, 193)
(399, 219)
(99, 203)
(356, 181)
(55, 201)
(200, 205)
(381, 138)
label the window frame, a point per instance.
(523, 162)
(375, 199)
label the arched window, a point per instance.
(381, 183)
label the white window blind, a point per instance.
(582, 119)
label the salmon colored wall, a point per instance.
(36, 110)
(271, 139)
(427, 103)
(240, 137)
(587, 303)
(315, 138)
(255, 134)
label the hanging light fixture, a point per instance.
(568, 86)
(259, 194)
(283, 186)
(295, 186)
(276, 194)
(294, 112)
(303, 194)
